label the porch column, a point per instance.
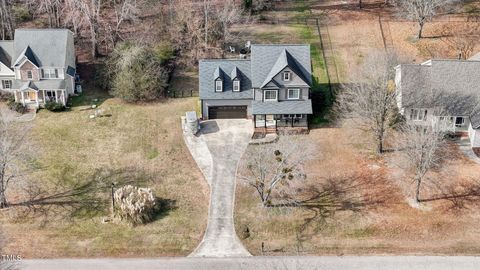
(265, 121)
(36, 97)
(63, 97)
(44, 100)
(23, 98)
(56, 96)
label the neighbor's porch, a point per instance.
(38, 98)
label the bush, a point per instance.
(136, 205)
(54, 106)
(138, 73)
(21, 13)
(6, 96)
(15, 106)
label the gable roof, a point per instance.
(452, 84)
(26, 54)
(45, 47)
(284, 60)
(269, 60)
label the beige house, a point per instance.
(38, 66)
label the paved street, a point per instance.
(217, 150)
(276, 263)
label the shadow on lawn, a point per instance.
(465, 195)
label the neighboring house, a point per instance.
(272, 87)
(445, 93)
(38, 66)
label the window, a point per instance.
(29, 74)
(418, 114)
(50, 95)
(218, 86)
(460, 122)
(6, 84)
(49, 73)
(292, 116)
(286, 76)
(270, 95)
(236, 86)
(293, 94)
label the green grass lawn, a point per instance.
(146, 138)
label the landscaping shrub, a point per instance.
(136, 205)
(11, 104)
(54, 106)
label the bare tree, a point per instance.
(90, 13)
(461, 39)
(369, 100)
(7, 25)
(419, 148)
(276, 169)
(421, 11)
(53, 8)
(12, 154)
(125, 10)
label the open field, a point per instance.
(145, 139)
(364, 209)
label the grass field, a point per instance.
(364, 207)
(146, 138)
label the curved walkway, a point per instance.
(217, 151)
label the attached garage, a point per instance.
(227, 112)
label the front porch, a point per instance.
(284, 123)
(38, 98)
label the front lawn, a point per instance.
(363, 209)
(145, 139)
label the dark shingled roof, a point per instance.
(451, 84)
(282, 107)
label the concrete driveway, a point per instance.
(217, 151)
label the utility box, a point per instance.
(191, 122)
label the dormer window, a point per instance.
(236, 85)
(29, 74)
(286, 76)
(218, 86)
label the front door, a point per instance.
(32, 95)
(271, 120)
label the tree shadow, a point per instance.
(165, 206)
(465, 195)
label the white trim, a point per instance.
(287, 78)
(217, 84)
(236, 81)
(265, 95)
(293, 89)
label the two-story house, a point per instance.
(442, 93)
(272, 87)
(38, 66)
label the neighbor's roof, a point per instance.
(43, 84)
(6, 52)
(49, 47)
(282, 107)
(212, 69)
(269, 59)
(452, 84)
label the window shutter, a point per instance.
(56, 73)
(43, 73)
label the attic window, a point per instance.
(29, 74)
(236, 85)
(218, 86)
(286, 76)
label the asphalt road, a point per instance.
(260, 263)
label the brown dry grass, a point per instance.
(369, 213)
(146, 137)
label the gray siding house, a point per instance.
(38, 66)
(272, 87)
(442, 93)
